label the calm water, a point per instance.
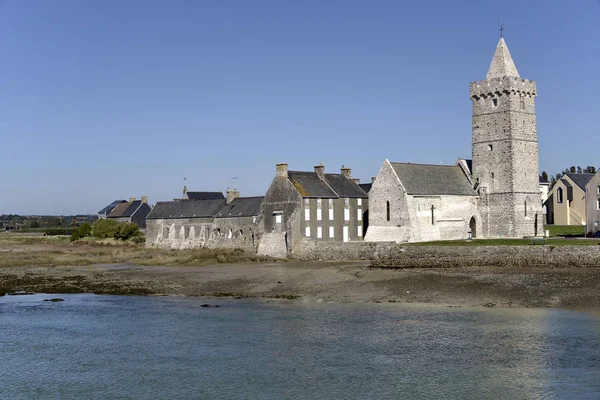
(118, 347)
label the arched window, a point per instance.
(559, 195)
(229, 234)
(388, 210)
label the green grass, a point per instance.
(507, 242)
(566, 230)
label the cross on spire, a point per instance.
(501, 28)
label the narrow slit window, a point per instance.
(490, 147)
(432, 215)
(495, 102)
(388, 210)
(522, 103)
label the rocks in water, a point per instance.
(55, 300)
(489, 305)
(209, 305)
(19, 294)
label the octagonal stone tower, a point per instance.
(505, 150)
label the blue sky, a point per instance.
(115, 99)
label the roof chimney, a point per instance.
(347, 172)
(356, 180)
(282, 170)
(144, 199)
(320, 171)
(232, 194)
(373, 179)
(131, 199)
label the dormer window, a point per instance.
(495, 102)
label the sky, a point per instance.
(112, 99)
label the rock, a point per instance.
(209, 306)
(489, 304)
(55, 300)
(278, 281)
(20, 294)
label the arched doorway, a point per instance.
(473, 227)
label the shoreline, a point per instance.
(339, 282)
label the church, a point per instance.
(495, 194)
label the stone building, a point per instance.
(185, 224)
(303, 205)
(496, 194)
(592, 205)
(566, 200)
(102, 214)
(417, 202)
(505, 150)
(132, 211)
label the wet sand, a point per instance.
(507, 286)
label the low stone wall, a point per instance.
(391, 255)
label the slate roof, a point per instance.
(344, 187)
(186, 209)
(134, 205)
(580, 179)
(365, 186)
(566, 183)
(241, 207)
(118, 210)
(205, 195)
(308, 184)
(433, 180)
(111, 206)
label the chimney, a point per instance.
(144, 199)
(373, 179)
(282, 170)
(347, 172)
(232, 194)
(131, 199)
(320, 171)
(356, 180)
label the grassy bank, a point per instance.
(510, 242)
(54, 251)
(566, 230)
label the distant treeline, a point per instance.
(41, 223)
(571, 170)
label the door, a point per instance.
(346, 238)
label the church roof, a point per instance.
(186, 209)
(502, 64)
(433, 180)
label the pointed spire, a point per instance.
(502, 64)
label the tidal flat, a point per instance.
(52, 265)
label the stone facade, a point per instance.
(592, 205)
(311, 205)
(215, 223)
(505, 150)
(399, 214)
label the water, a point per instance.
(118, 347)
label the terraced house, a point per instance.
(131, 211)
(209, 222)
(311, 205)
(566, 200)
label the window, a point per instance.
(319, 232)
(492, 175)
(306, 203)
(331, 214)
(277, 216)
(559, 195)
(346, 214)
(490, 147)
(359, 202)
(598, 190)
(229, 234)
(319, 214)
(331, 232)
(359, 214)
(596, 224)
(330, 203)
(432, 215)
(359, 231)
(495, 102)
(525, 205)
(347, 202)
(388, 210)
(307, 214)
(523, 105)
(318, 203)
(598, 204)
(307, 231)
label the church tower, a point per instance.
(505, 150)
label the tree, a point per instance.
(590, 169)
(572, 169)
(85, 229)
(544, 176)
(579, 170)
(105, 228)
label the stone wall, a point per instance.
(592, 209)
(193, 233)
(391, 255)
